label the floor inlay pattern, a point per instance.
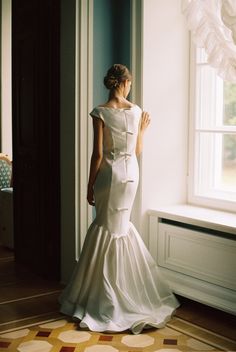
(65, 336)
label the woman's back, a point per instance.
(120, 128)
(117, 180)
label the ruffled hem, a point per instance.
(136, 326)
(117, 286)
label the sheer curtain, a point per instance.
(213, 26)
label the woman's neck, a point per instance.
(116, 96)
(117, 100)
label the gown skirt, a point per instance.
(116, 285)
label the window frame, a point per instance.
(193, 198)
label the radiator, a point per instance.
(198, 262)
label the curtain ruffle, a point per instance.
(213, 25)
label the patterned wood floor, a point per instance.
(64, 336)
(26, 299)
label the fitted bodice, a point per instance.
(120, 130)
(117, 179)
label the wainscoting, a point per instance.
(195, 249)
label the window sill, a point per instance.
(209, 218)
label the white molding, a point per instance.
(83, 99)
(191, 273)
(192, 108)
(137, 89)
(215, 201)
(196, 254)
(203, 292)
(223, 129)
(217, 220)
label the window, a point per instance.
(212, 171)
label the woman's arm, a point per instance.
(96, 157)
(144, 122)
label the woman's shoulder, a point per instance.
(96, 113)
(127, 106)
(106, 111)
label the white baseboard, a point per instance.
(200, 291)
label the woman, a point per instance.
(116, 284)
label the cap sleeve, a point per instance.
(139, 112)
(96, 113)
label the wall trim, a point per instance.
(197, 290)
(137, 89)
(6, 80)
(136, 49)
(187, 276)
(83, 127)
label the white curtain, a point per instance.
(213, 26)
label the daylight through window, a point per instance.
(214, 137)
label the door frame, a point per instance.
(76, 214)
(137, 90)
(83, 125)
(82, 216)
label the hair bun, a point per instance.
(111, 82)
(115, 75)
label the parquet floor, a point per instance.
(26, 299)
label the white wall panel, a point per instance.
(204, 256)
(165, 96)
(199, 263)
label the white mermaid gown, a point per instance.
(116, 284)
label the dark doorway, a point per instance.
(36, 135)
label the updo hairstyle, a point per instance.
(116, 75)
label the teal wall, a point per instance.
(111, 41)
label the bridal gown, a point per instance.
(116, 284)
